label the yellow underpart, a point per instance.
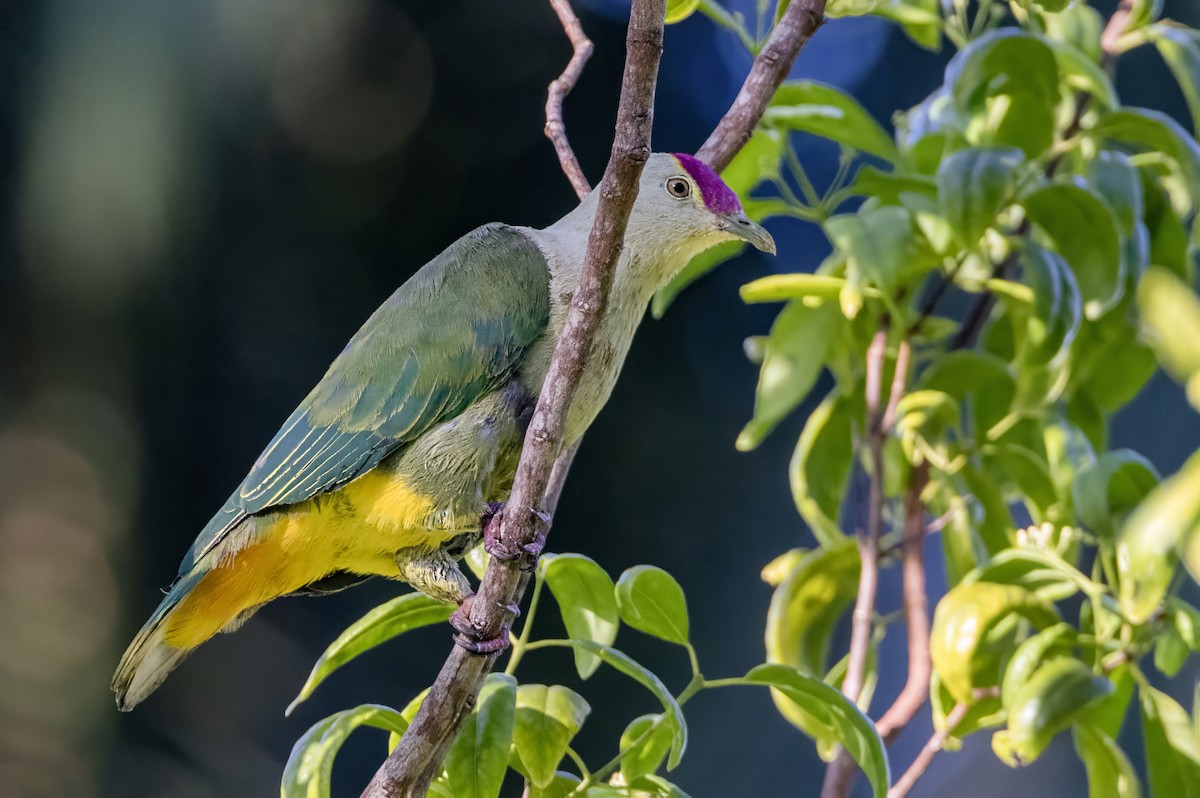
(359, 531)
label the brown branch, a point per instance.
(414, 763)
(916, 612)
(840, 774)
(559, 88)
(935, 744)
(797, 25)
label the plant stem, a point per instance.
(731, 22)
(581, 47)
(935, 744)
(519, 645)
(840, 774)
(916, 612)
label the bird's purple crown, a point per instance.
(717, 196)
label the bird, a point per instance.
(394, 463)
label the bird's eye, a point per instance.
(678, 187)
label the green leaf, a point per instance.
(1160, 136)
(1008, 81)
(1116, 180)
(679, 10)
(1029, 656)
(1026, 472)
(1168, 235)
(974, 186)
(563, 785)
(584, 593)
(890, 186)
(1058, 308)
(651, 601)
(1109, 772)
(786, 287)
(807, 605)
(1083, 229)
(1057, 693)
(1172, 746)
(477, 559)
(547, 718)
(1146, 545)
(982, 377)
(963, 655)
(795, 354)
(1079, 27)
(1180, 48)
(1170, 651)
(1171, 313)
(644, 745)
(388, 620)
(843, 720)
(478, 758)
(919, 18)
(625, 664)
(879, 246)
(1043, 573)
(828, 112)
(1080, 71)
(820, 467)
(306, 774)
(1107, 489)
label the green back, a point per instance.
(457, 330)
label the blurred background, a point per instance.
(203, 199)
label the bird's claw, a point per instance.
(471, 637)
(506, 550)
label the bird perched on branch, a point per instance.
(392, 464)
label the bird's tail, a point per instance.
(149, 657)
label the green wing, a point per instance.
(454, 332)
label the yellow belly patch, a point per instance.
(359, 531)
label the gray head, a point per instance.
(682, 208)
(683, 203)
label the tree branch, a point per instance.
(916, 612)
(935, 744)
(560, 88)
(799, 22)
(840, 774)
(414, 763)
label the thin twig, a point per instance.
(556, 131)
(899, 380)
(411, 767)
(840, 774)
(916, 612)
(797, 25)
(935, 744)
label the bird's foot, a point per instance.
(495, 544)
(471, 637)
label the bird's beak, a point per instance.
(738, 224)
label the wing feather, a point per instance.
(454, 332)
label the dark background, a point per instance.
(203, 199)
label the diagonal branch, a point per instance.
(799, 22)
(560, 88)
(412, 766)
(916, 612)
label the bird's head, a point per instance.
(683, 208)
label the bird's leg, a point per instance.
(495, 544)
(436, 574)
